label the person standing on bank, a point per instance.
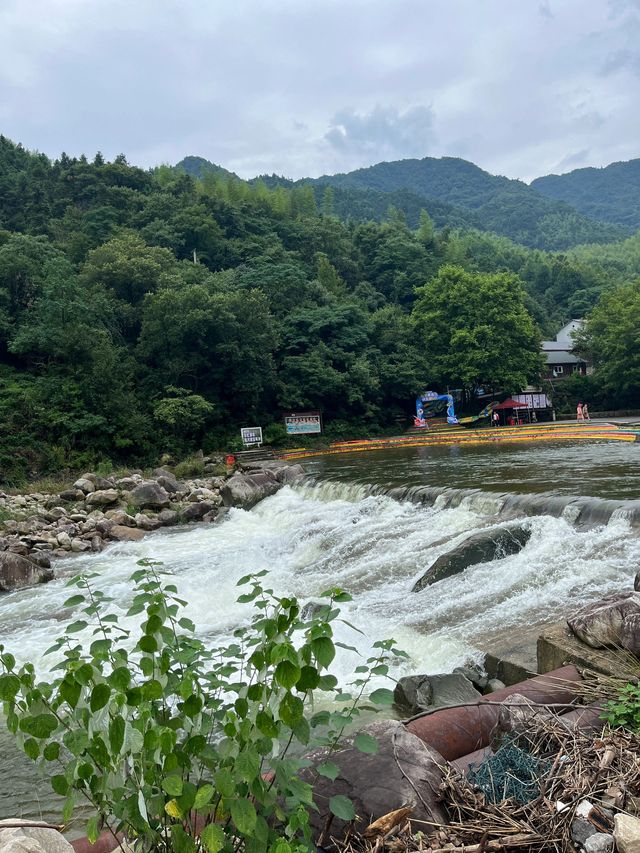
(585, 412)
(580, 412)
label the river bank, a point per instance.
(36, 527)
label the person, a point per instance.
(585, 412)
(495, 419)
(579, 412)
(534, 417)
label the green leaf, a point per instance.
(382, 696)
(116, 734)
(243, 815)
(287, 674)
(181, 842)
(92, 830)
(365, 743)
(224, 782)
(120, 678)
(79, 625)
(148, 644)
(9, 687)
(323, 650)
(74, 601)
(99, 696)
(152, 689)
(328, 769)
(342, 807)
(291, 710)
(31, 748)
(212, 838)
(247, 765)
(172, 785)
(309, 679)
(60, 785)
(70, 691)
(203, 796)
(51, 751)
(40, 726)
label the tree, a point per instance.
(474, 331)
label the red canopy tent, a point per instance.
(510, 403)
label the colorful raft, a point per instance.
(555, 431)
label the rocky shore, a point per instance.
(96, 511)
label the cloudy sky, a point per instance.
(306, 87)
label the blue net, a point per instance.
(511, 773)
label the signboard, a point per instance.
(251, 435)
(430, 395)
(303, 423)
(533, 401)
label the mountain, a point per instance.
(198, 167)
(498, 204)
(611, 194)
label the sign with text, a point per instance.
(251, 435)
(534, 401)
(303, 423)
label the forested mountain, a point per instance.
(115, 344)
(611, 194)
(198, 167)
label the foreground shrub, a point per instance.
(184, 748)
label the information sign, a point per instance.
(251, 435)
(303, 423)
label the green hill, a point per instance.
(198, 167)
(611, 194)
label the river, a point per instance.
(336, 530)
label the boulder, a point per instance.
(482, 547)
(149, 495)
(404, 772)
(599, 842)
(636, 582)
(612, 622)
(145, 523)
(64, 539)
(627, 833)
(416, 693)
(56, 513)
(119, 516)
(169, 484)
(31, 838)
(288, 475)
(167, 517)
(84, 485)
(71, 495)
(126, 534)
(102, 497)
(196, 511)
(127, 483)
(17, 571)
(246, 490)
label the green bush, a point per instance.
(191, 467)
(625, 711)
(180, 747)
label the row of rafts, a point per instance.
(583, 512)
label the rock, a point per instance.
(149, 496)
(636, 582)
(56, 513)
(40, 558)
(20, 501)
(581, 831)
(168, 484)
(30, 838)
(203, 494)
(64, 540)
(166, 473)
(599, 842)
(404, 772)
(476, 675)
(102, 483)
(119, 516)
(603, 624)
(494, 684)
(78, 545)
(102, 497)
(84, 485)
(627, 833)
(71, 495)
(412, 694)
(196, 511)
(145, 523)
(96, 543)
(127, 483)
(288, 475)
(416, 693)
(126, 534)
(18, 548)
(631, 633)
(246, 490)
(167, 517)
(17, 571)
(103, 526)
(210, 516)
(482, 547)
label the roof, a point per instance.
(510, 403)
(557, 346)
(560, 357)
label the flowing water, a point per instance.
(372, 523)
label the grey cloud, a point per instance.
(622, 60)
(384, 131)
(573, 161)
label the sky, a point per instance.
(309, 87)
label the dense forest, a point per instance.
(456, 193)
(611, 194)
(146, 311)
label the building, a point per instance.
(561, 360)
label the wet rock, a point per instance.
(602, 624)
(210, 516)
(476, 675)
(627, 833)
(102, 497)
(404, 772)
(97, 544)
(79, 545)
(84, 485)
(16, 572)
(126, 534)
(636, 582)
(288, 475)
(246, 490)
(41, 559)
(416, 693)
(167, 517)
(482, 547)
(494, 684)
(196, 511)
(149, 495)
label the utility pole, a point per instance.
(195, 257)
